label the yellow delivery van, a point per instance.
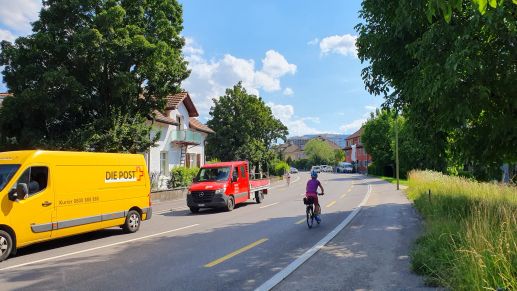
(52, 194)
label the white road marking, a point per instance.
(269, 284)
(96, 248)
(269, 205)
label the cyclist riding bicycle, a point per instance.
(312, 192)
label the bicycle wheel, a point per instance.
(310, 216)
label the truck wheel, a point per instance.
(194, 209)
(259, 196)
(132, 223)
(230, 204)
(6, 245)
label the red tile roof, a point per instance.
(173, 101)
(196, 124)
(5, 94)
(356, 134)
(160, 117)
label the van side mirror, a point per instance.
(22, 190)
(12, 195)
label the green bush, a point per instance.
(470, 238)
(182, 177)
(279, 168)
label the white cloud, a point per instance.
(6, 35)
(17, 15)
(314, 41)
(288, 91)
(296, 125)
(339, 44)
(210, 78)
(275, 65)
(354, 125)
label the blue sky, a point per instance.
(298, 55)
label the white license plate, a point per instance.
(201, 205)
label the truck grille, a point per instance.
(203, 196)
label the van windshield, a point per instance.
(213, 174)
(6, 173)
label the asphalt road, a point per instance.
(176, 250)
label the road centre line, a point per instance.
(350, 190)
(300, 221)
(342, 196)
(97, 248)
(233, 254)
(273, 281)
(265, 206)
(331, 203)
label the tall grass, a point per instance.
(470, 238)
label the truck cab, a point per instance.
(224, 185)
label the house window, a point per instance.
(180, 123)
(198, 160)
(164, 169)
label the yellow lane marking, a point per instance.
(233, 254)
(300, 221)
(350, 190)
(343, 196)
(331, 203)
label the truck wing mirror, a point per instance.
(234, 179)
(22, 190)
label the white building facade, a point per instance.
(182, 138)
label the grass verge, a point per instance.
(470, 237)
(394, 180)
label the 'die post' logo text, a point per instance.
(124, 176)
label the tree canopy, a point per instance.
(319, 152)
(454, 83)
(91, 73)
(244, 126)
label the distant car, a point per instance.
(294, 170)
(316, 169)
(344, 167)
(326, 168)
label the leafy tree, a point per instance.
(244, 126)
(377, 137)
(447, 7)
(453, 82)
(91, 73)
(339, 155)
(319, 152)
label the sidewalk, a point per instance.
(372, 253)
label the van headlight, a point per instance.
(220, 191)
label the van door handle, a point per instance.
(46, 203)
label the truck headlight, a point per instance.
(220, 191)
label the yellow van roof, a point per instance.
(20, 157)
(16, 157)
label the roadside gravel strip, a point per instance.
(269, 284)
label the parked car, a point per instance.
(224, 185)
(316, 169)
(294, 170)
(326, 168)
(344, 167)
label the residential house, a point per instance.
(294, 148)
(2, 96)
(355, 151)
(182, 138)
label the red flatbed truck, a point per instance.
(224, 185)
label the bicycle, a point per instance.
(309, 210)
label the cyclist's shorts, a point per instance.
(314, 198)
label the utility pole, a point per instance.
(397, 149)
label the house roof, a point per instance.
(356, 134)
(196, 124)
(160, 117)
(173, 101)
(5, 94)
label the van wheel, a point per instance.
(259, 196)
(230, 204)
(194, 209)
(6, 245)
(132, 223)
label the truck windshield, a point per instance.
(6, 173)
(213, 174)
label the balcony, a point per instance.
(188, 137)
